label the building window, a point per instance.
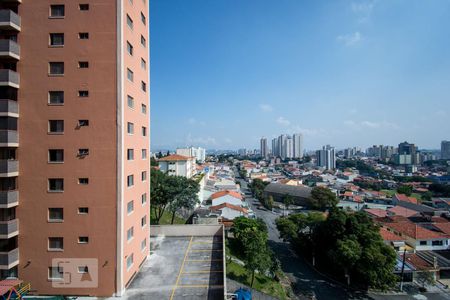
(143, 41)
(83, 123)
(143, 19)
(130, 75)
(83, 152)
(55, 273)
(56, 155)
(144, 153)
(144, 175)
(83, 210)
(83, 35)
(83, 64)
(130, 154)
(143, 244)
(130, 180)
(83, 269)
(437, 243)
(143, 86)
(130, 207)
(144, 198)
(57, 39)
(144, 221)
(143, 64)
(83, 181)
(56, 214)
(130, 128)
(57, 11)
(130, 234)
(56, 184)
(130, 261)
(84, 7)
(129, 22)
(144, 131)
(56, 68)
(130, 101)
(56, 97)
(423, 243)
(55, 243)
(56, 126)
(129, 48)
(144, 109)
(83, 239)
(83, 94)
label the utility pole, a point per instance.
(403, 270)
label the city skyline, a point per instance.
(342, 73)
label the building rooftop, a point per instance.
(292, 190)
(225, 193)
(228, 205)
(186, 262)
(175, 157)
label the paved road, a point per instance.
(307, 283)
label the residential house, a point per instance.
(228, 212)
(227, 196)
(177, 165)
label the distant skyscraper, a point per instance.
(264, 151)
(445, 150)
(288, 147)
(298, 145)
(326, 157)
(281, 146)
(275, 147)
(407, 154)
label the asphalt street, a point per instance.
(307, 283)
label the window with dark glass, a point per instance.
(83, 93)
(84, 7)
(56, 126)
(83, 64)
(56, 155)
(56, 184)
(56, 214)
(56, 97)
(56, 68)
(57, 11)
(56, 39)
(82, 123)
(83, 35)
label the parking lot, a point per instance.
(181, 267)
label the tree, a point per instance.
(251, 236)
(288, 200)
(346, 254)
(426, 277)
(158, 193)
(427, 196)
(405, 189)
(322, 198)
(183, 192)
(153, 162)
(269, 202)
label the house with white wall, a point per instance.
(227, 196)
(177, 165)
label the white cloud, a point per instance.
(283, 121)
(202, 141)
(363, 9)
(371, 124)
(350, 40)
(266, 107)
(193, 121)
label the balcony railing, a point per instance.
(9, 138)
(10, 49)
(9, 198)
(9, 229)
(9, 78)
(9, 107)
(9, 167)
(9, 20)
(9, 259)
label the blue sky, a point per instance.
(346, 73)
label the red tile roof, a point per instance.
(417, 262)
(414, 231)
(228, 205)
(404, 198)
(443, 227)
(402, 211)
(226, 192)
(377, 212)
(389, 236)
(175, 157)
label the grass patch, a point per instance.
(391, 193)
(166, 219)
(262, 283)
